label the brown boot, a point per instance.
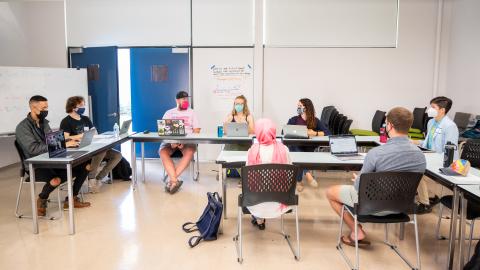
(41, 207)
(76, 203)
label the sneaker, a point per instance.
(93, 185)
(42, 207)
(76, 203)
(434, 200)
(300, 187)
(423, 209)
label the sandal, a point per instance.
(175, 186)
(351, 242)
(260, 226)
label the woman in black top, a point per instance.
(306, 117)
(73, 126)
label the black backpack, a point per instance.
(122, 171)
(474, 263)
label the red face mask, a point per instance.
(184, 105)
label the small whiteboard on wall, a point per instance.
(18, 84)
(219, 75)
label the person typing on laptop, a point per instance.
(74, 125)
(30, 135)
(306, 117)
(398, 155)
(181, 112)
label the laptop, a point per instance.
(123, 129)
(87, 137)
(57, 148)
(236, 129)
(171, 127)
(295, 132)
(344, 148)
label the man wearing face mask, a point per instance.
(30, 135)
(181, 112)
(397, 155)
(440, 130)
(73, 126)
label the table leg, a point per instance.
(224, 198)
(453, 228)
(71, 221)
(33, 198)
(134, 165)
(143, 160)
(463, 218)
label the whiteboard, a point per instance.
(128, 22)
(18, 84)
(219, 75)
(331, 23)
(222, 22)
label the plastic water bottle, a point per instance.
(116, 130)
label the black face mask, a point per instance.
(42, 115)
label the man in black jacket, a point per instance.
(30, 135)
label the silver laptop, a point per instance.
(123, 129)
(344, 148)
(87, 137)
(236, 129)
(295, 132)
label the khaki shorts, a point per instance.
(349, 197)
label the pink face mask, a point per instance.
(184, 105)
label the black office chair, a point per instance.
(378, 120)
(326, 113)
(379, 192)
(336, 123)
(268, 183)
(419, 115)
(470, 152)
(346, 127)
(331, 119)
(25, 179)
(341, 122)
(195, 165)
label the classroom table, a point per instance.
(212, 138)
(473, 191)
(43, 161)
(323, 160)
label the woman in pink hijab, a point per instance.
(266, 150)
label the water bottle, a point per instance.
(220, 131)
(383, 134)
(448, 153)
(116, 130)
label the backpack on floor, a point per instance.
(122, 170)
(208, 223)
(233, 173)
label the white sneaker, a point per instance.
(93, 185)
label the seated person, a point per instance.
(181, 112)
(306, 117)
(398, 154)
(30, 135)
(73, 126)
(267, 150)
(440, 130)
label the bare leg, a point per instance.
(168, 164)
(187, 152)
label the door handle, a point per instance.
(112, 114)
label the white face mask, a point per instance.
(432, 112)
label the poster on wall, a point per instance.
(229, 81)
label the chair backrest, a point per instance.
(471, 152)
(339, 127)
(461, 120)
(269, 183)
(326, 111)
(346, 127)
(378, 120)
(331, 119)
(419, 116)
(21, 155)
(387, 191)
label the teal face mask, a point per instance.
(239, 108)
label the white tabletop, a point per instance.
(473, 190)
(435, 162)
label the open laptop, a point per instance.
(295, 132)
(344, 148)
(123, 129)
(236, 129)
(57, 148)
(171, 127)
(87, 137)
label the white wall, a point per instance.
(31, 34)
(463, 64)
(356, 80)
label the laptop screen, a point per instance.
(343, 145)
(56, 143)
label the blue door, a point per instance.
(157, 74)
(101, 64)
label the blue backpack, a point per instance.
(208, 223)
